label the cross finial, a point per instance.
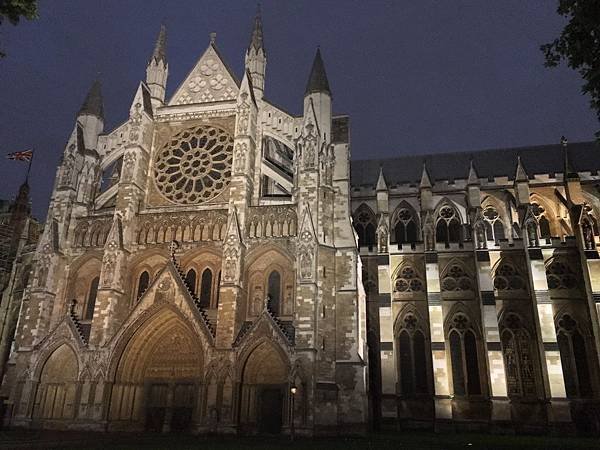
(213, 37)
(563, 141)
(173, 246)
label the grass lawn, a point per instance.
(13, 439)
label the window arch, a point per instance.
(573, 357)
(365, 226)
(464, 356)
(206, 288)
(540, 213)
(412, 360)
(518, 357)
(456, 278)
(447, 227)
(143, 283)
(404, 225)
(274, 292)
(190, 280)
(494, 227)
(91, 299)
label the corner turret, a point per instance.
(157, 70)
(256, 57)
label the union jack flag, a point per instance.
(25, 155)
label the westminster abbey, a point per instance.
(215, 264)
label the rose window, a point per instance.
(195, 165)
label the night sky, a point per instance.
(415, 77)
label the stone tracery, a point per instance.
(195, 165)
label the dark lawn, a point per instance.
(384, 441)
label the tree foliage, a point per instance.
(14, 10)
(579, 45)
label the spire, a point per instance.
(381, 184)
(520, 175)
(160, 49)
(425, 180)
(93, 104)
(569, 173)
(256, 42)
(317, 81)
(473, 177)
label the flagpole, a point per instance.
(29, 165)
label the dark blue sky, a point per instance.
(415, 76)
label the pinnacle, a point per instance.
(160, 49)
(93, 103)
(381, 184)
(256, 42)
(520, 175)
(317, 81)
(473, 177)
(425, 179)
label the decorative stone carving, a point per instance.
(195, 165)
(243, 115)
(239, 157)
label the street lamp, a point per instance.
(293, 390)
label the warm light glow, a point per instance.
(293, 390)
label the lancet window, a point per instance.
(91, 299)
(412, 362)
(206, 288)
(404, 224)
(574, 359)
(494, 228)
(143, 283)
(365, 226)
(518, 357)
(543, 223)
(274, 292)
(463, 356)
(190, 280)
(447, 229)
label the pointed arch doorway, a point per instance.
(158, 377)
(265, 390)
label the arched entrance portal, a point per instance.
(158, 377)
(264, 398)
(56, 393)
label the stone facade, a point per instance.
(482, 284)
(213, 254)
(198, 262)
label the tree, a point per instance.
(14, 10)
(579, 46)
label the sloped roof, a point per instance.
(537, 160)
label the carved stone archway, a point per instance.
(264, 390)
(157, 381)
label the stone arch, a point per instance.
(448, 223)
(264, 373)
(548, 214)
(365, 224)
(457, 279)
(152, 262)
(404, 224)
(261, 263)
(57, 389)
(200, 260)
(157, 369)
(82, 274)
(510, 278)
(408, 280)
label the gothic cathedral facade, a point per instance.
(216, 264)
(197, 270)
